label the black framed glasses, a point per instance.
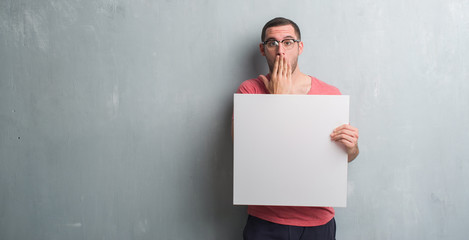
(286, 43)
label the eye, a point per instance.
(272, 43)
(287, 42)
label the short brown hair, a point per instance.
(280, 21)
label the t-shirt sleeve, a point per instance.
(321, 88)
(251, 86)
(337, 91)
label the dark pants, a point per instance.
(259, 229)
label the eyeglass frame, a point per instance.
(278, 42)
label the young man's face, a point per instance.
(280, 33)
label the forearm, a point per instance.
(232, 131)
(353, 154)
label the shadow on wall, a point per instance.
(220, 155)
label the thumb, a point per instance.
(265, 81)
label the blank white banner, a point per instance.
(283, 154)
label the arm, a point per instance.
(232, 131)
(348, 137)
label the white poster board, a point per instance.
(283, 154)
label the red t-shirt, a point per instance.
(295, 216)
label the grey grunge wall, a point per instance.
(115, 115)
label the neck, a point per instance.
(298, 76)
(301, 82)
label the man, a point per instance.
(281, 45)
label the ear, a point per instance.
(262, 49)
(300, 47)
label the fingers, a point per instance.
(347, 135)
(280, 81)
(346, 129)
(346, 126)
(266, 82)
(347, 140)
(275, 70)
(281, 66)
(347, 132)
(284, 67)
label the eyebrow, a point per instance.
(287, 37)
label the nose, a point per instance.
(280, 50)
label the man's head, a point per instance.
(280, 21)
(281, 36)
